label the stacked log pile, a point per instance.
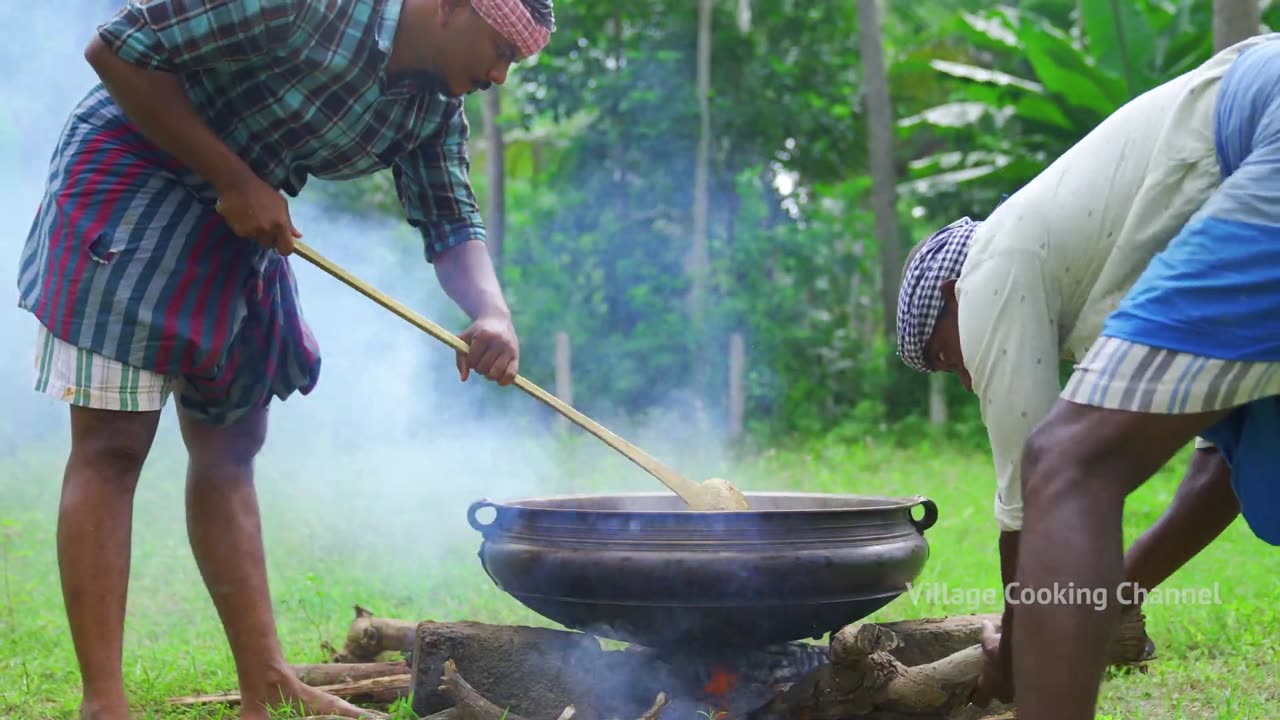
(926, 668)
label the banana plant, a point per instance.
(1029, 89)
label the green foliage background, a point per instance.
(601, 131)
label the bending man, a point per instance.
(1000, 302)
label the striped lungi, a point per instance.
(1123, 374)
(1200, 329)
(127, 259)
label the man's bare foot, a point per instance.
(292, 694)
(92, 709)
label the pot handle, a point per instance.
(930, 514)
(476, 507)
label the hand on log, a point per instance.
(369, 637)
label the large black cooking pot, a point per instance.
(644, 569)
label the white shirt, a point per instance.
(1048, 266)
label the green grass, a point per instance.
(387, 531)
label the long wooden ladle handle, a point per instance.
(669, 477)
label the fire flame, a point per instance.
(720, 686)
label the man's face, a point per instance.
(942, 351)
(474, 54)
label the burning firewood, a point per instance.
(536, 672)
(928, 670)
(863, 679)
(369, 637)
(659, 704)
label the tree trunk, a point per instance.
(737, 390)
(1233, 21)
(699, 261)
(880, 152)
(495, 165)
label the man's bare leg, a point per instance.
(1204, 506)
(1079, 465)
(95, 520)
(226, 538)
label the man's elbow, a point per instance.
(97, 53)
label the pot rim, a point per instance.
(881, 504)
(884, 502)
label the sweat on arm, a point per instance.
(433, 182)
(181, 36)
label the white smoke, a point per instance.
(389, 436)
(390, 445)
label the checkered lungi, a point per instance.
(136, 279)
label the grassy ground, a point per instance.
(336, 537)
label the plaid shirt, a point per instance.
(126, 256)
(298, 87)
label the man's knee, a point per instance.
(110, 444)
(1063, 458)
(236, 444)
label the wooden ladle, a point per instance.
(713, 494)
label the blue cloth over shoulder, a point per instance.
(1215, 290)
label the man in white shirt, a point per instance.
(1000, 302)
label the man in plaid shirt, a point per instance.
(157, 265)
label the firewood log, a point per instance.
(375, 691)
(369, 637)
(864, 680)
(660, 703)
(925, 640)
(335, 673)
(469, 704)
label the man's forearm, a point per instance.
(467, 276)
(1202, 508)
(156, 103)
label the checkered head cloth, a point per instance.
(512, 19)
(920, 300)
